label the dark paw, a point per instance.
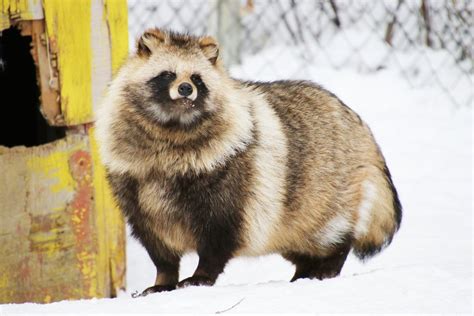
(320, 275)
(196, 281)
(155, 289)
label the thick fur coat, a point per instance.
(202, 162)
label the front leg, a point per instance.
(214, 251)
(166, 263)
(125, 189)
(209, 267)
(166, 278)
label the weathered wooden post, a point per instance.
(224, 23)
(61, 235)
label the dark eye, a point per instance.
(167, 75)
(196, 79)
(162, 81)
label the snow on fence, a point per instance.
(429, 41)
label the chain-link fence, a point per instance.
(429, 41)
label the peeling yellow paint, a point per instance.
(117, 21)
(3, 281)
(19, 10)
(14, 6)
(69, 31)
(102, 207)
(69, 218)
(49, 224)
(4, 21)
(50, 243)
(88, 265)
(110, 223)
(76, 219)
(51, 166)
(47, 299)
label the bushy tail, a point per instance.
(382, 213)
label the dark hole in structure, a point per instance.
(21, 122)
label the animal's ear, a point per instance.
(210, 48)
(150, 39)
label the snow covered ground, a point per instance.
(427, 269)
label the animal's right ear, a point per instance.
(210, 48)
(149, 40)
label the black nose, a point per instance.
(185, 89)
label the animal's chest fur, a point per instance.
(191, 209)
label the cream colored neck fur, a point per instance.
(160, 156)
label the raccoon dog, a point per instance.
(202, 162)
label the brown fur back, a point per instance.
(337, 183)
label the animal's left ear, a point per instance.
(149, 40)
(210, 48)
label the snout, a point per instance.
(185, 89)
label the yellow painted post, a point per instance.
(110, 225)
(68, 24)
(61, 234)
(117, 20)
(115, 15)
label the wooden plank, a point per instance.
(117, 21)
(101, 53)
(46, 239)
(61, 237)
(87, 51)
(74, 68)
(70, 40)
(46, 74)
(110, 224)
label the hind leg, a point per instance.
(311, 267)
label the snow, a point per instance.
(428, 268)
